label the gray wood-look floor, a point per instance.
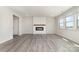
(39, 43)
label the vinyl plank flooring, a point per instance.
(39, 43)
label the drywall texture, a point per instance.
(72, 34)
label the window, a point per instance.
(61, 23)
(78, 22)
(69, 22)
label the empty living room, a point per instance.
(39, 29)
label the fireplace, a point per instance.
(39, 28)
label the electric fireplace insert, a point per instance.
(39, 28)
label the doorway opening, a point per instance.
(15, 26)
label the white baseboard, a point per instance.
(5, 40)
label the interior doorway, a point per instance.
(15, 26)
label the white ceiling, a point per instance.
(40, 10)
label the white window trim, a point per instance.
(63, 23)
(73, 23)
(77, 21)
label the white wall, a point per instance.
(70, 34)
(6, 24)
(50, 25)
(27, 25)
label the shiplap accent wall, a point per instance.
(39, 20)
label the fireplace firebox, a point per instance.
(39, 28)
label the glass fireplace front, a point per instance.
(39, 28)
